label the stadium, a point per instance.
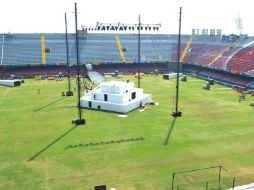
(196, 131)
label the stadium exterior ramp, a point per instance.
(95, 77)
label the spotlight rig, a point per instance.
(121, 27)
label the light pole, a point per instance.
(80, 120)
(69, 92)
(139, 24)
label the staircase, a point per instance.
(119, 45)
(156, 50)
(95, 77)
(223, 51)
(186, 49)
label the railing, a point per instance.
(119, 45)
(226, 183)
(186, 49)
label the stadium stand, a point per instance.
(32, 71)
(222, 77)
(131, 68)
(26, 48)
(227, 53)
(242, 61)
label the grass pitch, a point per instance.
(41, 149)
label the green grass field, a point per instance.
(139, 152)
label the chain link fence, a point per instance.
(211, 179)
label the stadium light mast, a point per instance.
(139, 24)
(2, 51)
(69, 92)
(80, 120)
(125, 27)
(177, 113)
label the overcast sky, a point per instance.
(43, 16)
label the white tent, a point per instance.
(11, 83)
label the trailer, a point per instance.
(171, 76)
(11, 83)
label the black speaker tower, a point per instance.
(139, 24)
(177, 113)
(80, 120)
(69, 92)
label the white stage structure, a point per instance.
(115, 96)
(10, 83)
(244, 187)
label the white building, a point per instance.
(115, 96)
